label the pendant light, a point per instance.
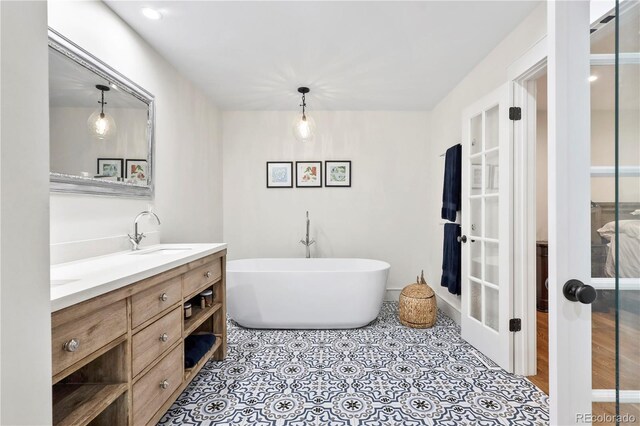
(304, 128)
(101, 125)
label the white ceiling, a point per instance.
(356, 55)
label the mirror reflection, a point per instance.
(97, 129)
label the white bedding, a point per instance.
(629, 248)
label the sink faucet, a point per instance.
(307, 242)
(136, 238)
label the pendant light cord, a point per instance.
(303, 105)
(102, 103)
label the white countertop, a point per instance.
(77, 281)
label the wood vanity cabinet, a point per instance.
(118, 359)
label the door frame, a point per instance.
(522, 75)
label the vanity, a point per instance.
(124, 346)
(119, 331)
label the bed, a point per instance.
(603, 261)
(603, 215)
(628, 248)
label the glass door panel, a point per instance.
(615, 216)
(492, 133)
(492, 223)
(476, 134)
(627, 236)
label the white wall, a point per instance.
(446, 129)
(542, 211)
(382, 216)
(603, 153)
(25, 314)
(188, 168)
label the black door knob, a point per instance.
(462, 239)
(577, 291)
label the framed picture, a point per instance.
(309, 174)
(279, 174)
(476, 176)
(337, 173)
(110, 167)
(137, 171)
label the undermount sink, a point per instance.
(165, 251)
(55, 283)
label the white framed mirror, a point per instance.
(101, 126)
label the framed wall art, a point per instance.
(110, 168)
(279, 174)
(309, 174)
(136, 171)
(337, 173)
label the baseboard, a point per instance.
(393, 295)
(448, 309)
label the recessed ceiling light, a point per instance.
(593, 78)
(151, 13)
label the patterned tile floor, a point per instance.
(381, 374)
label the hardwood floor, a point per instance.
(603, 356)
(541, 379)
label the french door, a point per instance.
(486, 227)
(594, 220)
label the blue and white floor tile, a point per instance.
(382, 374)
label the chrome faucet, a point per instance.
(136, 238)
(307, 242)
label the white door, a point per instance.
(578, 171)
(486, 227)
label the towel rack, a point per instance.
(444, 153)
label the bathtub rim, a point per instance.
(382, 265)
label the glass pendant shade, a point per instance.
(304, 129)
(101, 125)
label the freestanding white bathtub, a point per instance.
(305, 293)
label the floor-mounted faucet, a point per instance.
(136, 238)
(307, 242)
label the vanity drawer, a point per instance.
(148, 303)
(197, 278)
(155, 387)
(153, 340)
(91, 332)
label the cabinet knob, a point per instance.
(207, 274)
(164, 337)
(164, 384)
(71, 345)
(164, 297)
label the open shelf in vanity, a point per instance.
(207, 320)
(118, 358)
(85, 393)
(199, 316)
(75, 404)
(189, 373)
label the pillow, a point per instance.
(627, 227)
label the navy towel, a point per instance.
(451, 259)
(452, 189)
(195, 346)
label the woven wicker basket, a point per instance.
(418, 306)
